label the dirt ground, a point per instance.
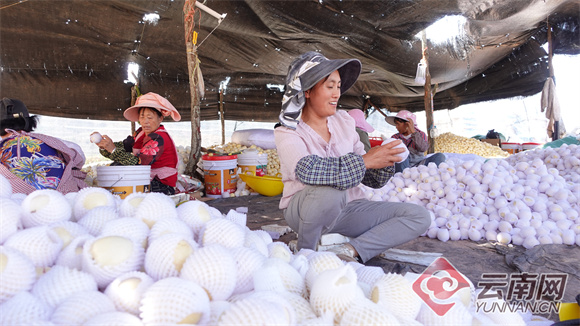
(470, 258)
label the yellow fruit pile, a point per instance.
(451, 143)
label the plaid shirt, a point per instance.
(307, 159)
(342, 173)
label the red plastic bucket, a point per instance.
(375, 141)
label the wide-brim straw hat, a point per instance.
(154, 101)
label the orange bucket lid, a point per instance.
(213, 157)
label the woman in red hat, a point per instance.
(150, 145)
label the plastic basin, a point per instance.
(267, 186)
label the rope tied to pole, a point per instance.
(189, 18)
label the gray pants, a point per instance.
(373, 226)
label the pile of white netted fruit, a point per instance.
(528, 199)
(90, 258)
(90, 167)
(183, 157)
(451, 143)
(565, 159)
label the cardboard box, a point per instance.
(495, 142)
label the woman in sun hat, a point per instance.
(323, 161)
(415, 140)
(150, 145)
(33, 161)
(362, 127)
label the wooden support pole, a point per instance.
(550, 51)
(192, 65)
(376, 108)
(133, 100)
(366, 107)
(194, 155)
(556, 134)
(222, 118)
(381, 112)
(428, 94)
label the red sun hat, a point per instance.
(154, 101)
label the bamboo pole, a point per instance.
(192, 62)
(428, 94)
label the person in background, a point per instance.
(363, 128)
(415, 140)
(150, 145)
(33, 161)
(323, 161)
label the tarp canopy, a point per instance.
(69, 58)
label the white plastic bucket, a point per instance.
(512, 148)
(527, 146)
(253, 163)
(124, 180)
(220, 174)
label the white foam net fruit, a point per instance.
(61, 274)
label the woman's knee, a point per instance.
(316, 203)
(421, 216)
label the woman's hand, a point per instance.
(107, 144)
(382, 156)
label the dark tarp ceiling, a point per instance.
(69, 58)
